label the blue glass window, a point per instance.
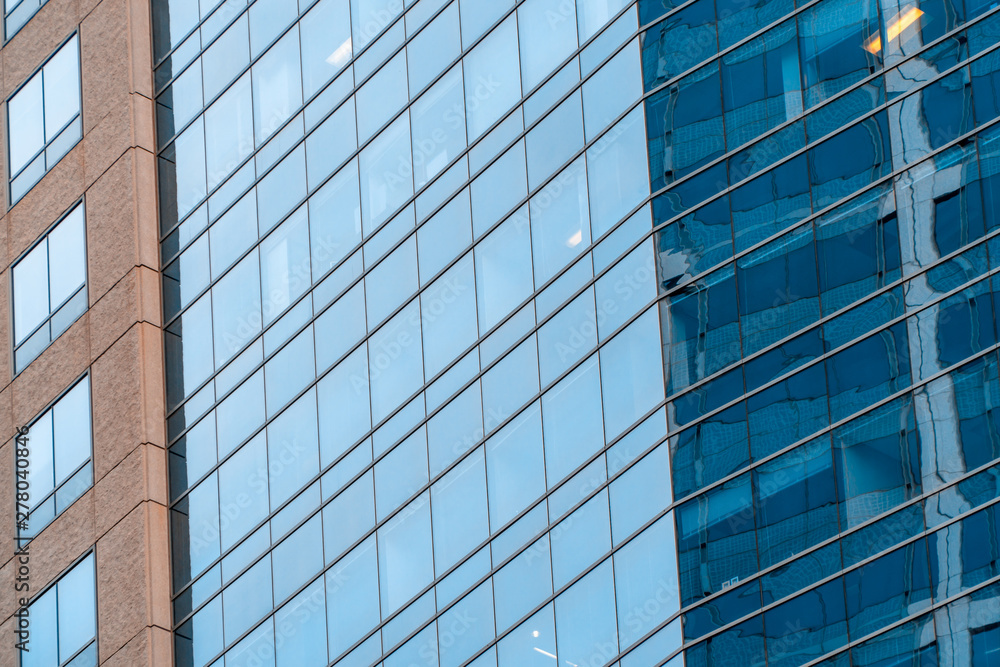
(43, 117)
(50, 287)
(64, 621)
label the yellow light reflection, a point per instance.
(897, 25)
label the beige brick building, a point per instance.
(116, 342)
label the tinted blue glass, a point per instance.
(716, 540)
(887, 441)
(684, 126)
(480, 446)
(679, 42)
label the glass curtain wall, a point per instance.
(583, 332)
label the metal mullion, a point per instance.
(664, 402)
(612, 552)
(541, 188)
(670, 508)
(440, 75)
(625, 469)
(829, 101)
(849, 644)
(595, 141)
(594, 280)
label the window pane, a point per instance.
(438, 126)
(31, 298)
(405, 559)
(41, 474)
(77, 609)
(25, 135)
(433, 49)
(554, 140)
(62, 88)
(236, 309)
(285, 264)
(352, 588)
(242, 486)
(492, 78)
(386, 173)
(71, 429)
(277, 87)
(326, 43)
(503, 270)
(560, 221)
(586, 623)
(42, 612)
(572, 415)
(335, 219)
(396, 368)
(547, 36)
(381, 96)
(229, 131)
(370, 17)
(460, 515)
(515, 468)
(67, 257)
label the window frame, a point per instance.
(21, 541)
(90, 552)
(9, 33)
(39, 71)
(43, 238)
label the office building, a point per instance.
(553, 332)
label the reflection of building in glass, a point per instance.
(581, 332)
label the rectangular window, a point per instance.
(59, 459)
(64, 621)
(50, 287)
(43, 118)
(16, 14)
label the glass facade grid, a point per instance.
(44, 118)
(468, 376)
(777, 345)
(667, 222)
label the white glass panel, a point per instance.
(229, 131)
(547, 31)
(24, 118)
(492, 78)
(593, 14)
(386, 173)
(326, 43)
(71, 429)
(31, 294)
(277, 86)
(62, 88)
(67, 257)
